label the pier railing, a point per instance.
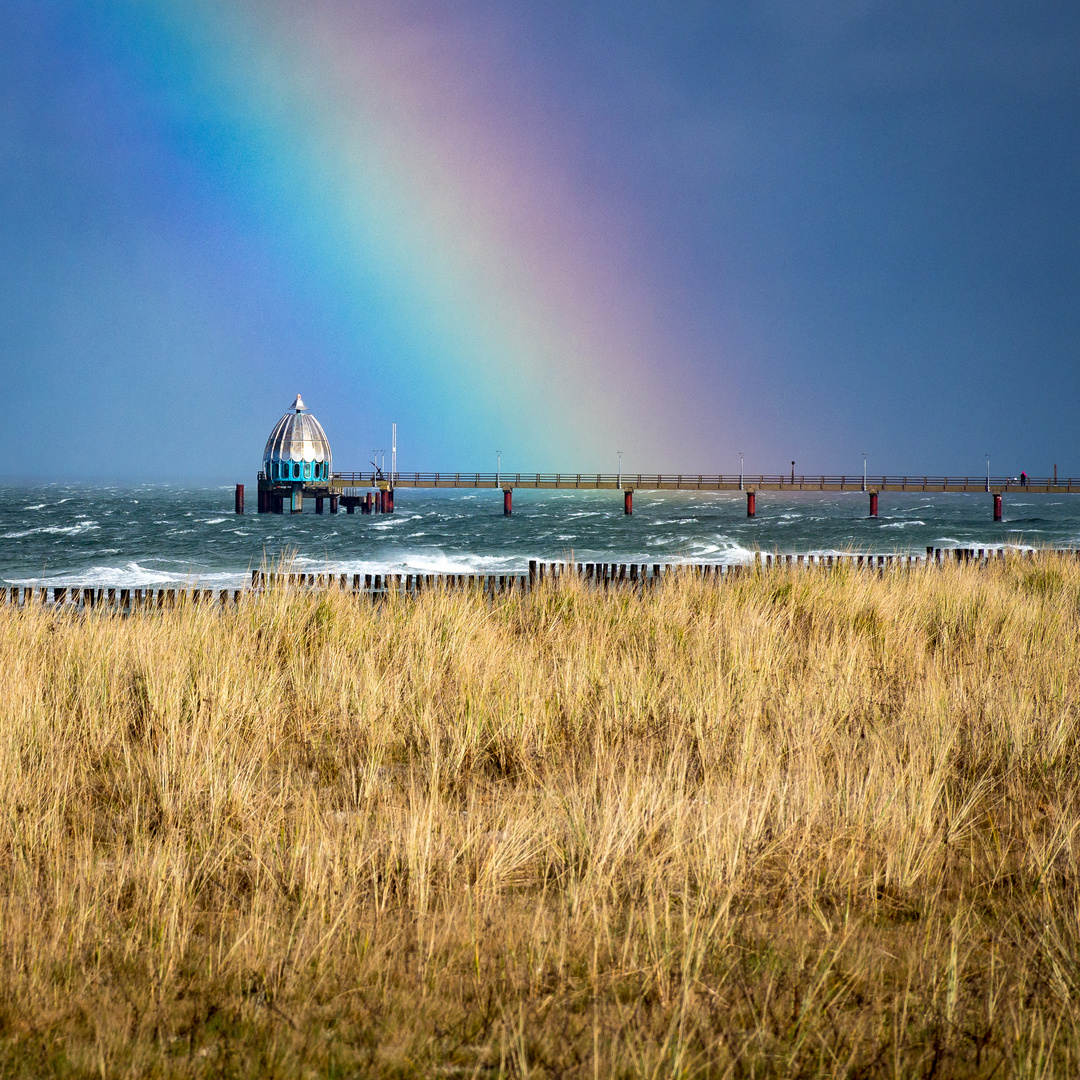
(705, 482)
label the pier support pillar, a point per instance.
(239, 498)
(508, 501)
(333, 504)
(318, 504)
(628, 502)
(297, 506)
(873, 503)
(350, 506)
(997, 505)
(388, 501)
(751, 503)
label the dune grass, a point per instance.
(798, 824)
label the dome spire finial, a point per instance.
(298, 405)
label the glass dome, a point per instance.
(297, 449)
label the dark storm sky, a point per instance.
(855, 227)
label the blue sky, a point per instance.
(856, 227)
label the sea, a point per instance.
(155, 534)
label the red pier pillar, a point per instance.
(997, 505)
(873, 503)
(388, 501)
(508, 501)
(751, 503)
(318, 504)
(239, 498)
(628, 502)
(333, 504)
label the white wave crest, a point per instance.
(54, 530)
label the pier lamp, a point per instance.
(740, 470)
(987, 472)
(620, 453)
(498, 468)
(864, 472)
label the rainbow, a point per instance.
(430, 218)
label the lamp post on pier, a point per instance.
(620, 453)
(741, 470)
(864, 472)
(988, 472)
(498, 468)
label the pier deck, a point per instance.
(688, 482)
(373, 492)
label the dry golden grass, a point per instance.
(800, 824)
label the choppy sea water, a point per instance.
(156, 535)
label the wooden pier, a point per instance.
(344, 482)
(373, 492)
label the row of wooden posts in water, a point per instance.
(604, 575)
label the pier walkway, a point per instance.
(373, 492)
(705, 482)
